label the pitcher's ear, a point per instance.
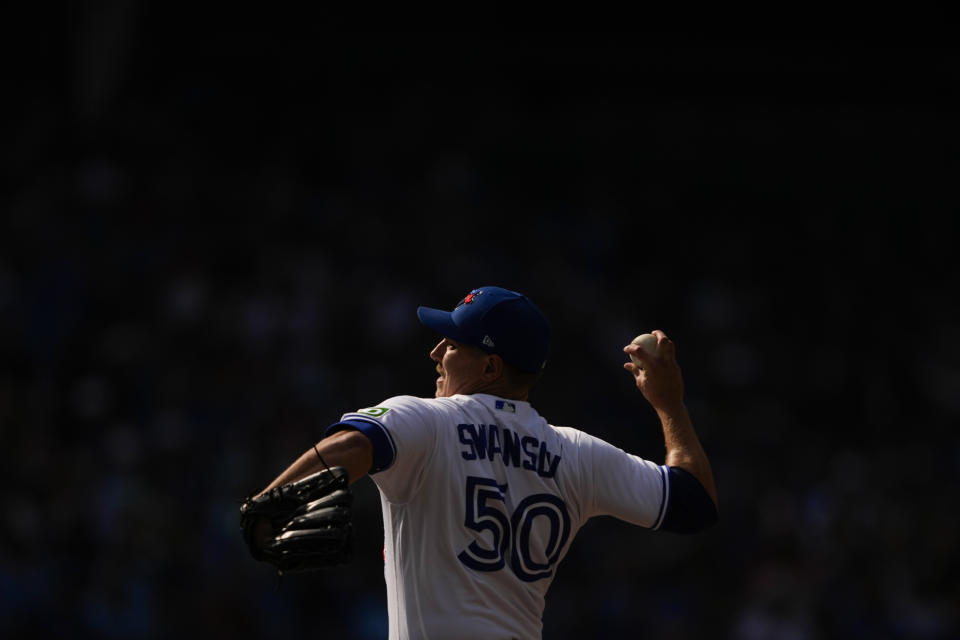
(493, 366)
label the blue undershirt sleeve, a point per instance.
(690, 509)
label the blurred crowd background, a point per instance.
(214, 239)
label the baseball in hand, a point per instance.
(648, 342)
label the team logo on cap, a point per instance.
(471, 297)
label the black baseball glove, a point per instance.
(310, 520)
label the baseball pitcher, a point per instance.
(481, 496)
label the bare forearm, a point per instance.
(684, 449)
(349, 449)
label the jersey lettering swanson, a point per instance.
(483, 441)
(485, 489)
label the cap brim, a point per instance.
(440, 321)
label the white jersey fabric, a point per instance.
(481, 499)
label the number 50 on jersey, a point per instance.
(513, 534)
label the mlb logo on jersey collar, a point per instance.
(509, 407)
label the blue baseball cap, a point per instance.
(498, 321)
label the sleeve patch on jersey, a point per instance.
(384, 450)
(373, 412)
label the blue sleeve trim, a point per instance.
(690, 508)
(384, 449)
(665, 495)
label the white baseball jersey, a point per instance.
(481, 500)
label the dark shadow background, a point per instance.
(214, 239)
